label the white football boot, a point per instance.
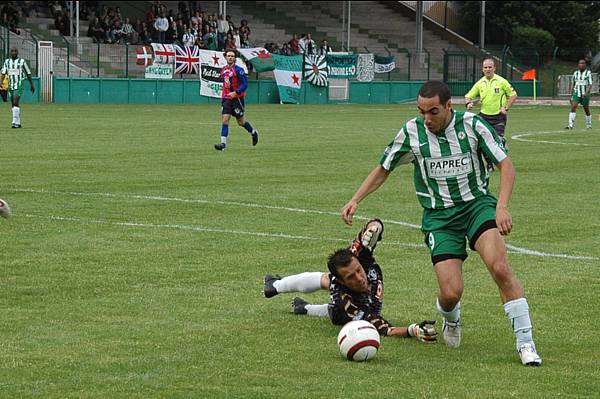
(528, 354)
(451, 333)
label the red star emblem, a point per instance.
(215, 59)
(296, 79)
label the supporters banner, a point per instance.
(342, 66)
(384, 64)
(315, 70)
(187, 59)
(163, 53)
(259, 57)
(288, 74)
(159, 71)
(211, 63)
(365, 70)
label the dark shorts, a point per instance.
(233, 107)
(498, 122)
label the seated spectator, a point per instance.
(286, 49)
(236, 38)
(196, 19)
(116, 32)
(130, 33)
(96, 31)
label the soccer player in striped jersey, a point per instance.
(582, 87)
(451, 184)
(17, 70)
(355, 284)
(235, 83)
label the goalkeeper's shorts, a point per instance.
(447, 230)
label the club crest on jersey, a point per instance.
(372, 276)
(461, 135)
(450, 166)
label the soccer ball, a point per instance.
(358, 340)
(4, 209)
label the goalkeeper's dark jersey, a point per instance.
(347, 305)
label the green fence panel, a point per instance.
(380, 93)
(401, 92)
(360, 93)
(85, 91)
(169, 92)
(62, 90)
(262, 92)
(114, 91)
(312, 94)
(191, 93)
(524, 88)
(142, 91)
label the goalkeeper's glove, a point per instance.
(424, 331)
(371, 236)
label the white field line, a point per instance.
(207, 230)
(512, 248)
(521, 137)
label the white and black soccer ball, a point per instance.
(4, 209)
(358, 340)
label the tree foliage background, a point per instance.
(571, 23)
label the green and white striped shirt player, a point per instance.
(581, 81)
(17, 71)
(449, 168)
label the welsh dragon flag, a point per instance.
(259, 57)
(288, 74)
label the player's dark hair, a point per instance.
(230, 50)
(434, 88)
(340, 258)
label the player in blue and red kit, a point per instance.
(235, 83)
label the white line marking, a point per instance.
(519, 137)
(202, 201)
(514, 249)
(207, 230)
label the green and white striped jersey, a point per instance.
(17, 71)
(448, 167)
(581, 81)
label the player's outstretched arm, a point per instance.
(373, 181)
(424, 331)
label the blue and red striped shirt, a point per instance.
(234, 80)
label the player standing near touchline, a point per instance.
(235, 83)
(17, 70)
(582, 87)
(451, 184)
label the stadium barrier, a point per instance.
(186, 91)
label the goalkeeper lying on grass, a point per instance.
(355, 284)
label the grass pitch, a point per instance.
(133, 263)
